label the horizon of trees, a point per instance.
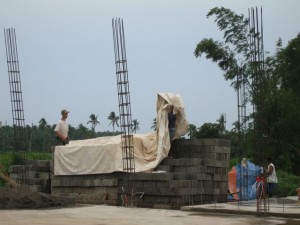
(41, 137)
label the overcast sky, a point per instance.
(66, 56)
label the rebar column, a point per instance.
(259, 88)
(16, 101)
(123, 96)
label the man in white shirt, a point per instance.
(62, 129)
(271, 179)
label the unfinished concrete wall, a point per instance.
(37, 172)
(196, 172)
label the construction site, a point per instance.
(129, 172)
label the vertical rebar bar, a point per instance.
(127, 144)
(16, 102)
(259, 94)
(123, 95)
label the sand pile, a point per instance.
(25, 198)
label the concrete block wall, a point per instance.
(88, 189)
(195, 172)
(37, 174)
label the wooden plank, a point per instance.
(9, 180)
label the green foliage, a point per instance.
(235, 28)
(94, 121)
(135, 125)
(233, 54)
(12, 158)
(6, 159)
(234, 161)
(274, 94)
(220, 54)
(39, 156)
(282, 105)
(208, 130)
(114, 120)
(192, 130)
(154, 124)
(287, 184)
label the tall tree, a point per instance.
(234, 56)
(222, 123)
(208, 130)
(94, 121)
(42, 127)
(81, 132)
(135, 125)
(283, 105)
(42, 123)
(114, 119)
(154, 124)
(192, 130)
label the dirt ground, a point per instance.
(113, 215)
(24, 198)
(31, 207)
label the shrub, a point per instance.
(287, 184)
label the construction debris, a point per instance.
(25, 198)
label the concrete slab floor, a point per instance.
(113, 215)
(289, 211)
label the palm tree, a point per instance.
(94, 121)
(113, 120)
(42, 123)
(42, 126)
(222, 123)
(135, 125)
(154, 124)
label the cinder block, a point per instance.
(220, 177)
(183, 183)
(166, 168)
(42, 175)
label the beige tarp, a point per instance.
(104, 154)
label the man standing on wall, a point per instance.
(62, 129)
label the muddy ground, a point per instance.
(25, 198)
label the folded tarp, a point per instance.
(104, 154)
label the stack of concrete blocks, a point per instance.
(200, 168)
(36, 173)
(88, 189)
(196, 172)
